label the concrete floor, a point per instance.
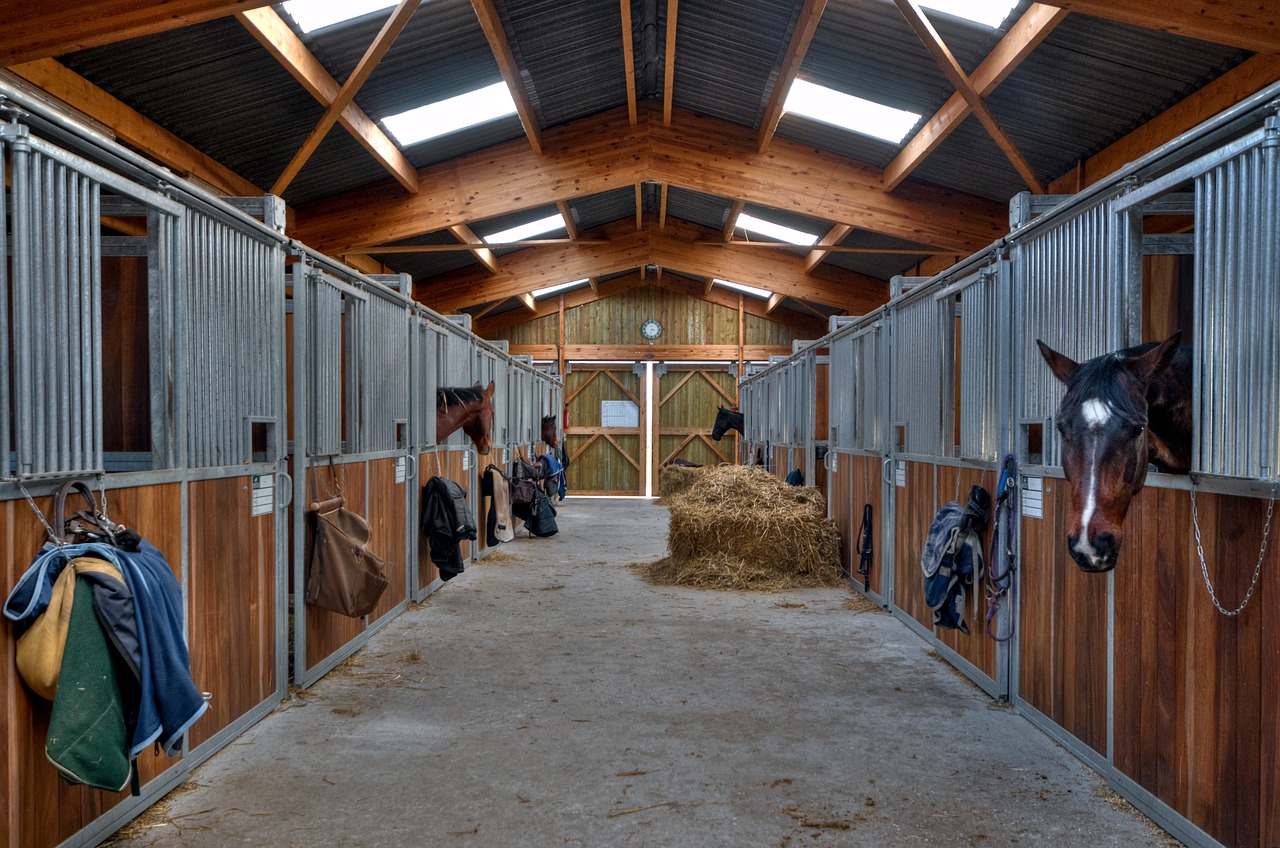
(550, 696)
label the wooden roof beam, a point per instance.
(546, 308)
(603, 153)
(43, 30)
(487, 14)
(566, 212)
(1023, 37)
(955, 74)
(750, 305)
(464, 234)
(833, 237)
(395, 24)
(629, 58)
(280, 41)
(1248, 24)
(801, 36)
(731, 221)
(669, 79)
(529, 303)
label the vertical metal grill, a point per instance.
(1070, 299)
(868, 420)
(232, 326)
(425, 361)
(1237, 351)
(383, 375)
(324, 358)
(922, 335)
(979, 361)
(56, 402)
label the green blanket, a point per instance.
(87, 741)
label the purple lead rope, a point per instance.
(1000, 581)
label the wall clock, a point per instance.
(651, 329)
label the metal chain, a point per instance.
(1257, 569)
(57, 540)
(102, 501)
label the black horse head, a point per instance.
(726, 419)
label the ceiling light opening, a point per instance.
(542, 226)
(447, 116)
(990, 13)
(752, 224)
(558, 287)
(311, 15)
(848, 112)
(763, 294)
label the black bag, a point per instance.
(343, 575)
(524, 481)
(542, 517)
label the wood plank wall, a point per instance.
(914, 511)
(327, 632)
(855, 483)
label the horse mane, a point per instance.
(458, 396)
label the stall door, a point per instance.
(686, 401)
(605, 434)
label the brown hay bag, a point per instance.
(343, 575)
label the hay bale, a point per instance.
(676, 478)
(739, 527)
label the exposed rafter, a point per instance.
(1250, 24)
(806, 25)
(669, 79)
(464, 234)
(487, 14)
(528, 301)
(662, 207)
(281, 42)
(1023, 37)
(955, 74)
(674, 250)
(566, 212)
(547, 308)
(629, 58)
(604, 152)
(731, 220)
(833, 237)
(382, 42)
(41, 30)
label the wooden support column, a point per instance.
(560, 343)
(742, 328)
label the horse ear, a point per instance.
(488, 392)
(1063, 367)
(1151, 363)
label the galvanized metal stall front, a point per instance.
(139, 315)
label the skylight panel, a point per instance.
(848, 112)
(559, 287)
(549, 224)
(776, 231)
(986, 12)
(446, 116)
(763, 294)
(311, 15)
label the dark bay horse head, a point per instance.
(549, 436)
(468, 408)
(1122, 410)
(726, 419)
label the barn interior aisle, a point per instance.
(550, 696)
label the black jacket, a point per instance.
(446, 521)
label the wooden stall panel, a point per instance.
(387, 519)
(1195, 716)
(231, 601)
(1063, 641)
(916, 507)
(41, 808)
(126, 357)
(458, 464)
(840, 506)
(328, 631)
(976, 647)
(866, 488)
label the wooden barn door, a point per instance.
(605, 432)
(686, 400)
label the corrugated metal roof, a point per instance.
(879, 265)
(422, 266)
(726, 53)
(604, 208)
(708, 210)
(571, 54)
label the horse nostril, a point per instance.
(1106, 545)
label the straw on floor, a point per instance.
(739, 527)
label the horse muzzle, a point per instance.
(1098, 555)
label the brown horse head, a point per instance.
(549, 436)
(1109, 434)
(470, 409)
